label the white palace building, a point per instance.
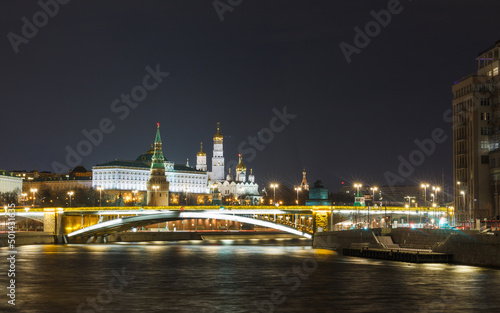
(130, 175)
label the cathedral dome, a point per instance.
(218, 136)
(201, 153)
(241, 167)
(146, 157)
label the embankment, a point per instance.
(27, 238)
(467, 247)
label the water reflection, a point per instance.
(239, 276)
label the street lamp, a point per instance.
(100, 194)
(463, 196)
(373, 189)
(436, 190)
(298, 189)
(34, 190)
(70, 193)
(425, 186)
(435, 217)
(274, 186)
(134, 197)
(357, 186)
(186, 191)
(27, 210)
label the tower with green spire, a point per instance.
(157, 185)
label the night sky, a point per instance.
(352, 120)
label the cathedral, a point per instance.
(240, 190)
(159, 177)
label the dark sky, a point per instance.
(352, 120)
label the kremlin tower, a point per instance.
(157, 186)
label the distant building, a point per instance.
(476, 139)
(130, 175)
(217, 174)
(57, 183)
(318, 195)
(242, 190)
(10, 183)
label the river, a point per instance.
(236, 276)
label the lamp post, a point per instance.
(436, 190)
(26, 219)
(186, 191)
(435, 217)
(425, 186)
(34, 190)
(298, 189)
(373, 189)
(70, 193)
(134, 197)
(100, 194)
(357, 186)
(463, 197)
(274, 186)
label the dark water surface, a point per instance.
(236, 276)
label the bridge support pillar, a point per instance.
(91, 239)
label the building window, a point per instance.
(485, 159)
(485, 145)
(485, 131)
(485, 102)
(485, 116)
(492, 162)
(495, 71)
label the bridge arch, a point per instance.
(125, 223)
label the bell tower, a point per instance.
(218, 157)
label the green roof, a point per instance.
(126, 163)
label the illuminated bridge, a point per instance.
(148, 218)
(304, 221)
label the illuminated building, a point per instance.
(476, 139)
(241, 190)
(217, 173)
(10, 183)
(157, 184)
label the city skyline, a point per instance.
(243, 72)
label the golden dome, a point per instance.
(241, 167)
(218, 136)
(201, 153)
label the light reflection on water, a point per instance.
(239, 276)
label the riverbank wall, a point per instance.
(32, 238)
(27, 238)
(467, 247)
